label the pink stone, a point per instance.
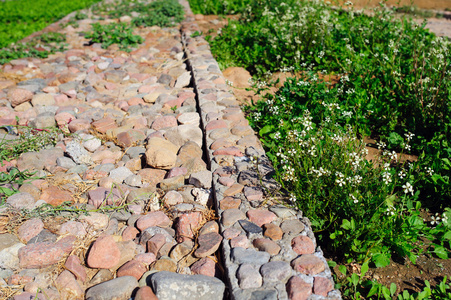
(205, 266)
(221, 143)
(225, 171)
(186, 225)
(303, 245)
(29, 229)
(132, 268)
(145, 293)
(226, 181)
(177, 171)
(61, 99)
(215, 124)
(68, 286)
(73, 228)
(110, 86)
(18, 96)
(155, 243)
(261, 216)
(210, 226)
(104, 253)
(308, 264)
(164, 122)
(64, 118)
(129, 233)
(253, 193)
(298, 289)
(79, 124)
(146, 258)
(230, 233)
(322, 286)
(39, 255)
(229, 203)
(154, 218)
(8, 121)
(176, 102)
(135, 101)
(104, 124)
(104, 196)
(239, 241)
(228, 151)
(73, 264)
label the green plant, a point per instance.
(114, 33)
(20, 18)
(41, 46)
(161, 13)
(222, 7)
(29, 139)
(8, 180)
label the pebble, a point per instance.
(231, 216)
(73, 264)
(104, 253)
(303, 245)
(298, 289)
(208, 244)
(249, 256)
(145, 293)
(30, 229)
(205, 266)
(133, 268)
(308, 264)
(276, 271)
(250, 228)
(273, 231)
(249, 277)
(118, 288)
(261, 216)
(267, 245)
(168, 285)
(152, 219)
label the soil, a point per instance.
(406, 275)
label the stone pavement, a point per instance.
(176, 183)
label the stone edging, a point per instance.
(269, 251)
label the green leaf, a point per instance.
(342, 269)
(355, 279)
(346, 225)
(331, 263)
(364, 269)
(381, 260)
(441, 252)
(386, 292)
(392, 288)
(266, 129)
(447, 235)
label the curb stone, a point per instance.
(245, 266)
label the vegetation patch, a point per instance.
(391, 82)
(20, 18)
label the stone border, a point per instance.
(269, 250)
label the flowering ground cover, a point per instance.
(391, 83)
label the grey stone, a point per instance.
(119, 174)
(202, 179)
(65, 162)
(7, 240)
(121, 215)
(249, 277)
(21, 200)
(120, 288)
(135, 152)
(276, 271)
(292, 226)
(43, 236)
(151, 231)
(44, 120)
(282, 211)
(183, 80)
(249, 178)
(169, 285)
(165, 79)
(78, 153)
(250, 227)
(134, 180)
(9, 257)
(249, 256)
(264, 295)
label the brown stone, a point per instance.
(322, 286)
(273, 231)
(145, 293)
(104, 253)
(229, 202)
(54, 196)
(233, 190)
(208, 244)
(132, 268)
(263, 244)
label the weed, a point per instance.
(114, 33)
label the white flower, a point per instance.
(340, 181)
(408, 188)
(435, 219)
(381, 145)
(386, 178)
